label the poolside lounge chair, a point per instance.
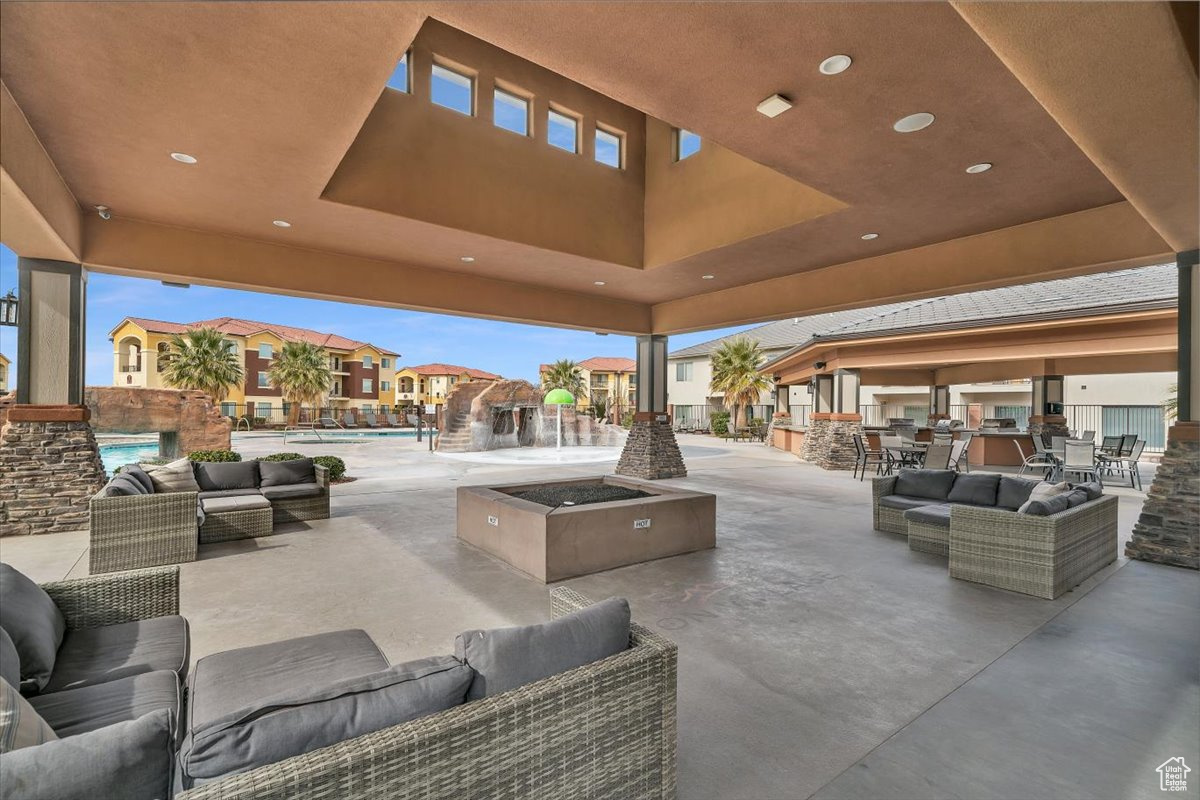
(327, 422)
(393, 420)
(348, 420)
(369, 418)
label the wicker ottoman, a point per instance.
(929, 538)
(227, 518)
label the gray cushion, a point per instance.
(218, 476)
(140, 475)
(74, 711)
(978, 489)
(291, 491)
(174, 477)
(300, 719)
(1076, 497)
(223, 683)
(934, 484)
(132, 760)
(905, 503)
(1044, 508)
(229, 493)
(1093, 489)
(218, 505)
(34, 623)
(124, 486)
(282, 473)
(10, 661)
(98, 655)
(930, 515)
(505, 658)
(1014, 491)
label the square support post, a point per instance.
(50, 330)
(822, 394)
(651, 451)
(939, 402)
(1046, 412)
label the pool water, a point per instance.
(118, 455)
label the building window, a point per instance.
(510, 112)
(683, 371)
(452, 90)
(562, 131)
(367, 362)
(400, 80)
(228, 409)
(263, 383)
(265, 350)
(686, 144)
(367, 385)
(230, 346)
(453, 381)
(609, 148)
(385, 363)
(385, 386)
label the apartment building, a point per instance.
(610, 379)
(4, 365)
(363, 375)
(428, 384)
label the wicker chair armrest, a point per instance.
(322, 475)
(171, 508)
(882, 487)
(984, 520)
(117, 597)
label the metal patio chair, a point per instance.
(1129, 464)
(1079, 458)
(867, 457)
(1039, 459)
(937, 456)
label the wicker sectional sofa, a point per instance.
(600, 725)
(134, 523)
(974, 520)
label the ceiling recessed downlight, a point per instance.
(707, 277)
(467, 259)
(975, 169)
(281, 223)
(866, 237)
(774, 105)
(835, 65)
(598, 283)
(913, 122)
(183, 158)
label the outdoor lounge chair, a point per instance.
(369, 418)
(1038, 459)
(327, 422)
(393, 420)
(348, 420)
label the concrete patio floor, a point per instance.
(817, 657)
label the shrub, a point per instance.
(720, 422)
(627, 419)
(336, 467)
(281, 457)
(214, 455)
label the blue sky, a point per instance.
(510, 349)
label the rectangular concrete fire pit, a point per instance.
(553, 542)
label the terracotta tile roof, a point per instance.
(600, 364)
(451, 369)
(247, 327)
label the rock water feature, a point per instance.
(480, 416)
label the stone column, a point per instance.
(651, 451)
(816, 435)
(1168, 529)
(832, 429)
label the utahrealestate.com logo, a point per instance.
(1172, 775)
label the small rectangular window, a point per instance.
(609, 147)
(367, 384)
(683, 371)
(385, 386)
(265, 350)
(562, 131)
(399, 80)
(367, 362)
(263, 383)
(510, 112)
(452, 90)
(386, 363)
(686, 144)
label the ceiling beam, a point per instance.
(1120, 79)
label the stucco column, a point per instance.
(1167, 530)
(50, 330)
(939, 402)
(651, 451)
(1046, 412)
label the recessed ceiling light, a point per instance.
(866, 237)
(975, 169)
(281, 223)
(598, 283)
(707, 277)
(835, 65)
(183, 158)
(467, 259)
(913, 123)
(774, 105)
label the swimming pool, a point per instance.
(118, 455)
(306, 436)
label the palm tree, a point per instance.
(200, 359)
(735, 374)
(565, 374)
(301, 371)
(1171, 404)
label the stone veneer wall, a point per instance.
(1168, 529)
(815, 437)
(651, 452)
(1054, 426)
(839, 451)
(48, 472)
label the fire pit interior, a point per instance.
(553, 530)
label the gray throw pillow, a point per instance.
(174, 477)
(215, 477)
(1076, 497)
(302, 720)
(132, 760)
(10, 660)
(140, 475)
(975, 490)
(1094, 489)
(20, 723)
(34, 623)
(1014, 491)
(1044, 508)
(286, 473)
(505, 658)
(934, 484)
(1044, 491)
(124, 486)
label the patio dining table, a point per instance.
(909, 454)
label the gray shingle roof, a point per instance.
(1151, 287)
